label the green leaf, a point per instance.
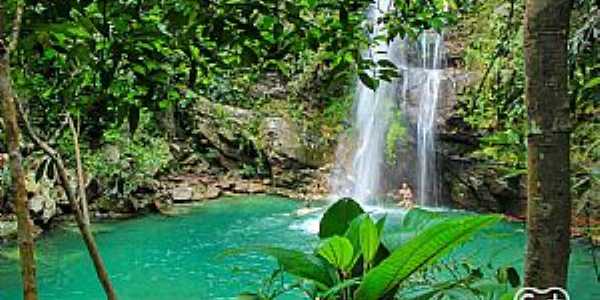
(510, 295)
(386, 64)
(369, 239)
(420, 251)
(338, 252)
(297, 263)
(418, 219)
(337, 218)
(592, 83)
(353, 234)
(380, 225)
(368, 81)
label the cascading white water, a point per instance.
(420, 65)
(431, 54)
(363, 181)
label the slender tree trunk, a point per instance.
(80, 178)
(25, 230)
(86, 234)
(549, 201)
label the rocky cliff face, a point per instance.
(252, 152)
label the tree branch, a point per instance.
(16, 28)
(80, 180)
(86, 234)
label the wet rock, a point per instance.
(42, 208)
(105, 204)
(205, 192)
(249, 188)
(182, 194)
(8, 230)
(475, 186)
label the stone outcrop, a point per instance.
(272, 148)
(42, 208)
(8, 230)
(226, 129)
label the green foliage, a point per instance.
(422, 250)
(395, 136)
(369, 239)
(409, 18)
(270, 289)
(114, 57)
(334, 272)
(461, 280)
(5, 182)
(495, 106)
(128, 163)
(338, 217)
(584, 63)
(300, 264)
(338, 251)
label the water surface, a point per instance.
(159, 257)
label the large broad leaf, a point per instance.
(369, 239)
(418, 252)
(303, 265)
(381, 224)
(338, 252)
(368, 81)
(413, 222)
(337, 218)
(353, 234)
(418, 218)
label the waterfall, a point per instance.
(363, 179)
(431, 55)
(420, 63)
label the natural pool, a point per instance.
(160, 257)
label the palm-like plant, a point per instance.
(352, 263)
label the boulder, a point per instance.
(8, 230)
(225, 129)
(42, 208)
(285, 142)
(182, 194)
(249, 187)
(205, 192)
(475, 186)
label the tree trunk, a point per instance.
(88, 238)
(25, 229)
(549, 201)
(85, 213)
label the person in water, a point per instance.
(405, 196)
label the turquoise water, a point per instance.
(159, 257)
